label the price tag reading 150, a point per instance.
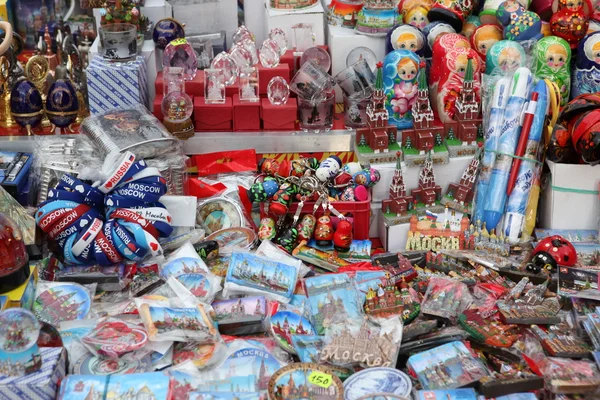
(320, 379)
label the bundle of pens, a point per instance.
(508, 189)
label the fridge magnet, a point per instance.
(214, 215)
(453, 394)
(487, 330)
(448, 366)
(243, 316)
(234, 237)
(373, 381)
(284, 324)
(307, 347)
(113, 339)
(94, 365)
(19, 352)
(183, 265)
(387, 300)
(57, 302)
(305, 381)
(199, 353)
(224, 396)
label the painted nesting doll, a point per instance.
(453, 12)
(400, 70)
(519, 24)
(484, 38)
(432, 31)
(487, 15)
(471, 23)
(504, 57)
(26, 105)
(405, 37)
(446, 43)
(414, 12)
(552, 60)
(586, 76)
(570, 21)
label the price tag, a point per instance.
(179, 41)
(320, 379)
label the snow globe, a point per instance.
(177, 108)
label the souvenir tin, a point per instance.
(284, 324)
(343, 13)
(519, 24)
(183, 265)
(57, 302)
(309, 380)
(26, 105)
(377, 17)
(504, 57)
(90, 364)
(377, 381)
(400, 70)
(405, 37)
(552, 60)
(242, 316)
(217, 214)
(62, 104)
(234, 237)
(586, 75)
(471, 23)
(414, 12)
(114, 338)
(165, 31)
(19, 333)
(453, 12)
(571, 21)
(484, 38)
(199, 353)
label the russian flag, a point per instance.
(431, 216)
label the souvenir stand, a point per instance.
(300, 199)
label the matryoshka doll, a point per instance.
(552, 60)
(432, 31)
(471, 23)
(504, 57)
(484, 38)
(414, 12)
(267, 229)
(453, 12)
(328, 168)
(487, 15)
(519, 24)
(452, 76)
(400, 71)
(306, 227)
(342, 238)
(571, 21)
(586, 76)
(405, 37)
(324, 231)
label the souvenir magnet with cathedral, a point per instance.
(284, 324)
(58, 302)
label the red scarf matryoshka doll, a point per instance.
(452, 73)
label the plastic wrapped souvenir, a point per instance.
(446, 298)
(114, 338)
(570, 21)
(552, 60)
(484, 38)
(504, 57)
(519, 24)
(58, 302)
(586, 75)
(401, 68)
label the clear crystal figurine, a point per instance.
(269, 54)
(249, 85)
(250, 45)
(278, 91)
(242, 33)
(304, 36)
(226, 63)
(173, 80)
(214, 86)
(179, 53)
(241, 55)
(278, 35)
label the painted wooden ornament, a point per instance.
(306, 227)
(26, 105)
(484, 38)
(471, 23)
(405, 37)
(570, 21)
(342, 238)
(453, 12)
(324, 231)
(414, 12)
(519, 24)
(432, 31)
(504, 57)
(400, 71)
(552, 60)
(586, 76)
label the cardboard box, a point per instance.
(570, 198)
(393, 237)
(285, 19)
(266, 74)
(23, 296)
(14, 171)
(246, 116)
(213, 117)
(207, 16)
(279, 118)
(195, 87)
(41, 385)
(341, 41)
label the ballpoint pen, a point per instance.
(492, 133)
(495, 198)
(517, 202)
(526, 128)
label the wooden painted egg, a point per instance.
(26, 105)
(61, 103)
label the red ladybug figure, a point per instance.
(342, 238)
(552, 252)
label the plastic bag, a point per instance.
(269, 250)
(183, 261)
(446, 298)
(113, 338)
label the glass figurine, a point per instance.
(179, 53)
(250, 45)
(173, 80)
(204, 50)
(278, 35)
(177, 108)
(241, 34)
(214, 86)
(269, 54)
(249, 85)
(241, 55)
(304, 37)
(225, 62)
(278, 91)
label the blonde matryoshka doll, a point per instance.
(586, 76)
(471, 23)
(414, 12)
(441, 47)
(552, 60)
(484, 38)
(400, 70)
(451, 80)
(405, 37)
(504, 57)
